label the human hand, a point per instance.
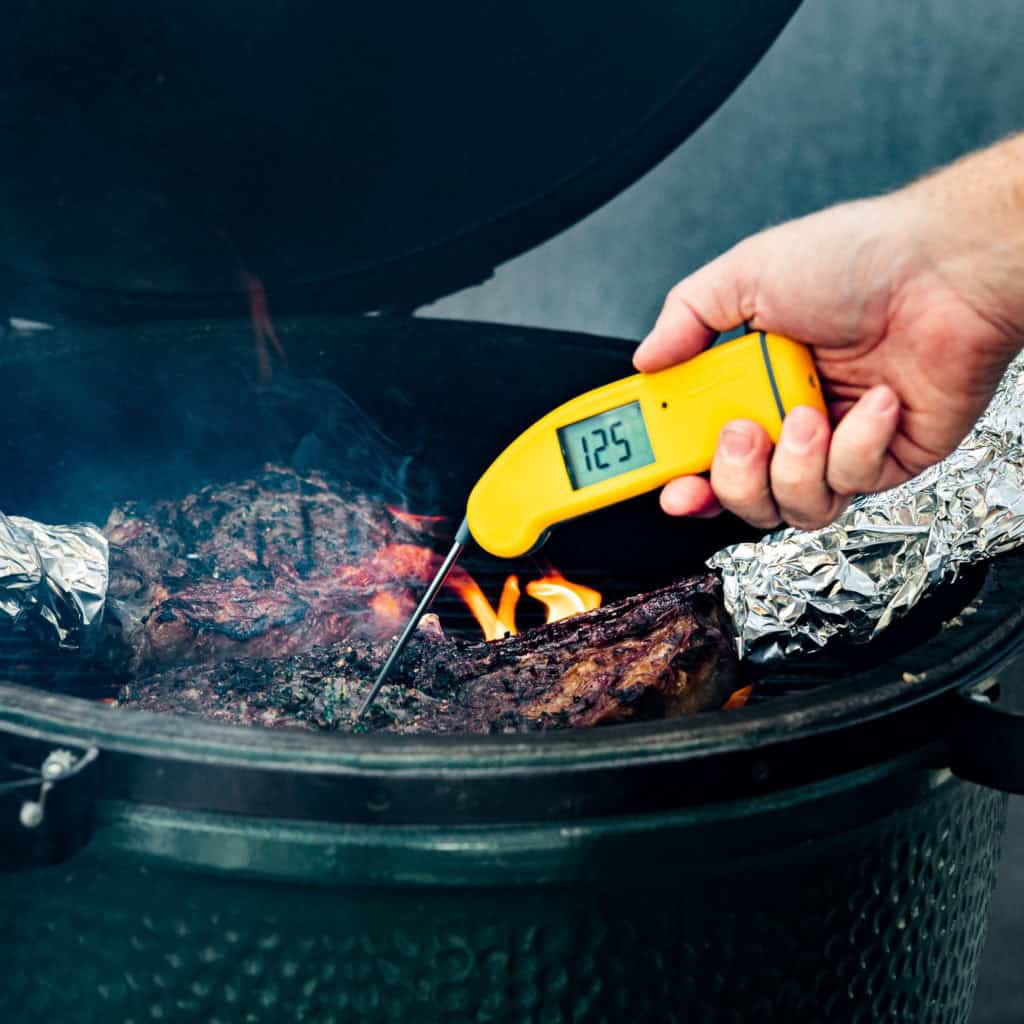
(910, 335)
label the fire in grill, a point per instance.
(273, 602)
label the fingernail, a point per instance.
(879, 401)
(800, 428)
(736, 442)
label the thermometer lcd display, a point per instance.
(605, 445)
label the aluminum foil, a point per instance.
(793, 592)
(53, 580)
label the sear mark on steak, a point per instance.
(265, 568)
(662, 654)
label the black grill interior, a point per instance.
(412, 410)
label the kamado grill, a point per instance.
(826, 853)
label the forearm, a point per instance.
(970, 221)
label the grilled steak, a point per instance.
(661, 654)
(265, 567)
(273, 601)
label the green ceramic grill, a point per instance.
(828, 855)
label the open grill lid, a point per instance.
(352, 156)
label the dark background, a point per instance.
(854, 98)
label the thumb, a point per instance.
(716, 298)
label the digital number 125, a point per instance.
(593, 456)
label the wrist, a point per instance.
(966, 223)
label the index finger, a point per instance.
(716, 298)
(678, 334)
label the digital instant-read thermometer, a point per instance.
(621, 440)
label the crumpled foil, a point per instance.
(793, 592)
(53, 580)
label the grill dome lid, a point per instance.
(350, 155)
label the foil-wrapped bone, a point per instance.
(53, 580)
(793, 592)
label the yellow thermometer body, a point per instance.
(619, 441)
(634, 435)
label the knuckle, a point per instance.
(799, 481)
(789, 477)
(856, 459)
(758, 509)
(737, 491)
(805, 501)
(805, 520)
(676, 295)
(850, 478)
(826, 509)
(742, 486)
(745, 281)
(808, 510)
(765, 522)
(859, 457)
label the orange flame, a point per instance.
(493, 624)
(562, 598)
(262, 326)
(738, 699)
(507, 604)
(388, 609)
(422, 524)
(554, 591)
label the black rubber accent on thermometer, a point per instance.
(771, 376)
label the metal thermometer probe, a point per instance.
(621, 440)
(462, 536)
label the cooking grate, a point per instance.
(24, 661)
(934, 620)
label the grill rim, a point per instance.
(647, 767)
(994, 633)
(621, 769)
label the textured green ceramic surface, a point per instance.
(187, 918)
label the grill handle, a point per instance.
(987, 739)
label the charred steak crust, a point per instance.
(662, 654)
(263, 567)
